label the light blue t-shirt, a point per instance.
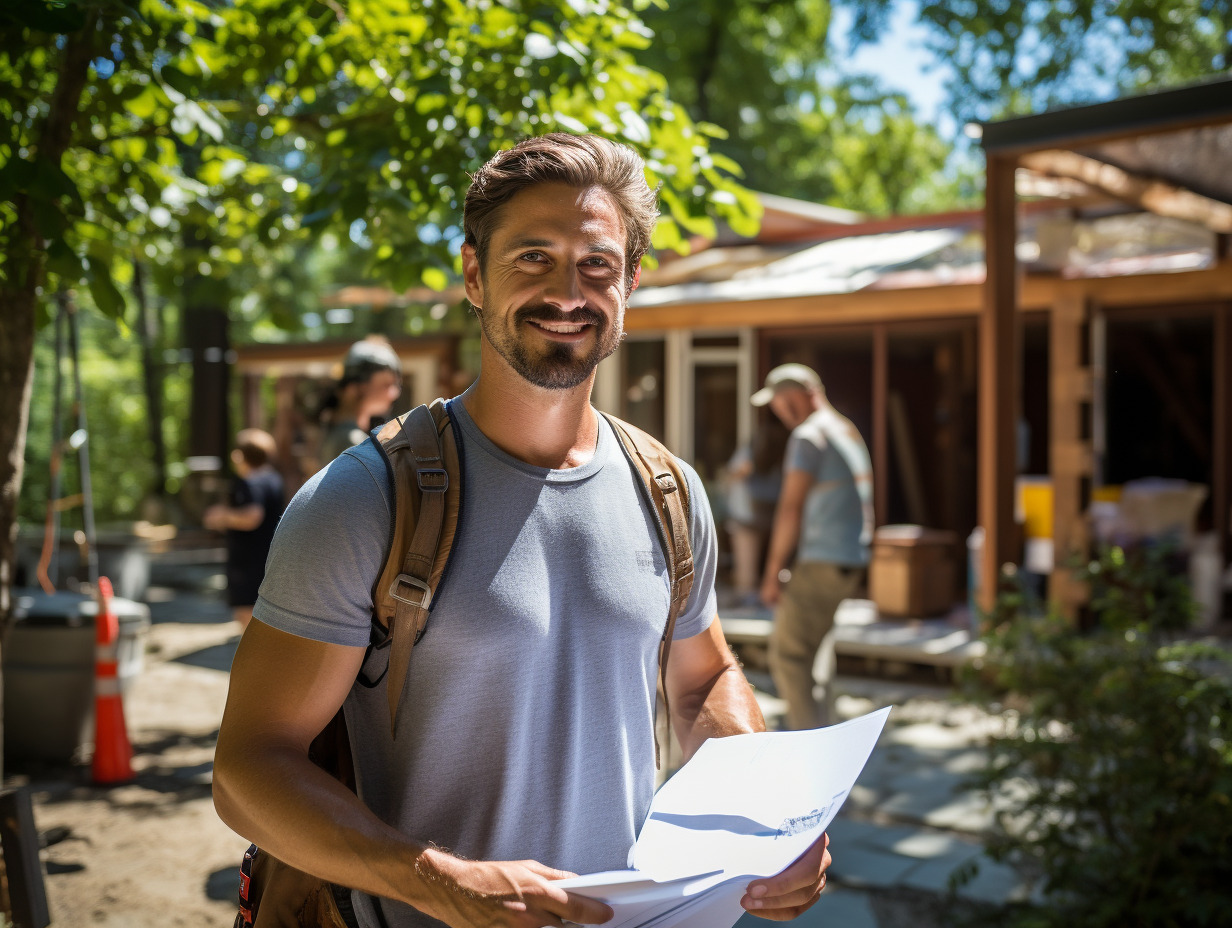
(526, 726)
(829, 448)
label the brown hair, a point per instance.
(255, 446)
(577, 160)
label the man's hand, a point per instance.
(517, 894)
(771, 588)
(785, 896)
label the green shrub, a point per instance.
(1115, 770)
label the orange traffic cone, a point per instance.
(112, 752)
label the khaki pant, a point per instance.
(803, 635)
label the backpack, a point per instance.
(421, 454)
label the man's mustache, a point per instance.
(546, 313)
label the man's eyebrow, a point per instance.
(599, 247)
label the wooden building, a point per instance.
(1075, 330)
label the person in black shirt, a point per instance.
(256, 504)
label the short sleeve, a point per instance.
(241, 493)
(702, 604)
(328, 549)
(802, 454)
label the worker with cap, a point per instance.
(825, 516)
(370, 383)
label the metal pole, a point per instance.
(49, 559)
(83, 453)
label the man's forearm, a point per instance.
(298, 813)
(728, 707)
(783, 540)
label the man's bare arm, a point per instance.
(785, 535)
(711, 698)
(244, 518)
(707, 691)
(284, 689)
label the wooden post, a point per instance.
(1069, 453)
(1221, 465)
(26, 904)
(881, 448)
(998, 375)
(254, 414)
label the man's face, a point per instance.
(792, 405)
(379, 391)
(551, 297)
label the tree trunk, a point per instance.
(207, 334)
(150, 330)
(18, 301)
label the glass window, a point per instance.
(642, 400)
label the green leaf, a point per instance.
(434, 278)
(176, 79)
(106, 297)
(64, 262)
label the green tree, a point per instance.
(201, 139)
(755, 69)
(1019, 58)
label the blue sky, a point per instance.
(900, 61)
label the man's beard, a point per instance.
(558, 366)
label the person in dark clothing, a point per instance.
(249, 519)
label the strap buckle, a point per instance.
(666, 482)
(420, 599)
(432, 479)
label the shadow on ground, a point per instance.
(223, 884)
(215, 657)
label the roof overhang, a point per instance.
(1167, 152)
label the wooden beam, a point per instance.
(1221, 466)
(1166, 290)
(861, 306)
(881, 449)
(1070, 456)
(998, 376)
(922, 304)
(250, 392)
(293, 357)
(1156, 196)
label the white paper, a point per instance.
(742, 807)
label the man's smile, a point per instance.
(558, 328)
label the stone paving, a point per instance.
(909, 823)
(906, 827)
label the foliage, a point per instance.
(267, 120)
(1116, 770)
(1019, 58)
(214, 143)
(755, 68)
(121, 463)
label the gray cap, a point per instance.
(368, 356)
(783, 377)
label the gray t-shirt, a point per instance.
(526, 726)
(829, 448)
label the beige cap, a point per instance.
(783, 377)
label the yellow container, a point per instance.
(1035, 506)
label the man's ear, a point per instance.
(472, 276)
(637, 279)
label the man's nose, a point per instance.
(564, 289)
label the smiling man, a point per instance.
(525, 746)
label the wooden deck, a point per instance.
(944, 643)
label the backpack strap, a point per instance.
(423, 457)
(667, 490)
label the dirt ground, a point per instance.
(152, 852)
